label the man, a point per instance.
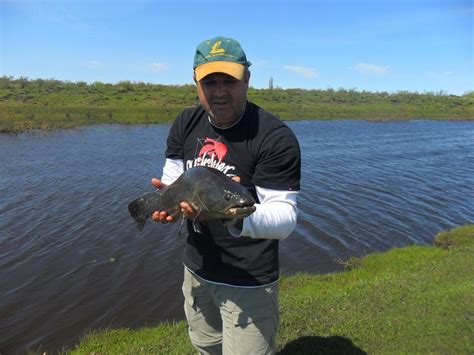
(231, 272)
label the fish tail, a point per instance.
(137, 209)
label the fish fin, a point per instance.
(204, 207)
(196, 224)
(183, 218)
(136, 209)
(230, 221)
(140, 224)
(197, 227)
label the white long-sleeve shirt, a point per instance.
(275, 215)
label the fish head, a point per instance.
(231, 201)
(239, 204)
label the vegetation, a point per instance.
(46, 104)
(416, 299)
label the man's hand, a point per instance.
(163, 216)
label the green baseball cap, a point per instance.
(220, 55)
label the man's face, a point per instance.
(223, 97)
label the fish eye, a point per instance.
(227, 196)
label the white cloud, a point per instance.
(304, 71)
(160, 67)
(258, 63)
(372, 68)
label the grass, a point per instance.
(416, 299)
(50, 104)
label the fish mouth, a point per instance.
(240, 211)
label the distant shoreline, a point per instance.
(51, 104)
(42, 126)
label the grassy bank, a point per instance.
(416, 299)
(48, 104)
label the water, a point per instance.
(71, 259)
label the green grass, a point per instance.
(416, 299)
(169, 338)
(50, 104)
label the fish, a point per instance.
(211, 193)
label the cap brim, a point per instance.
(235, 70)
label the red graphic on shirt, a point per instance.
(213, 147)
(211, 152)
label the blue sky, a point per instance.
(377, 45)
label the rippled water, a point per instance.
(72, 260)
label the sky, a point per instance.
(372, 45)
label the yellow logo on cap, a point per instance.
(215, 48)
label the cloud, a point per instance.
(159, 67)
(372, 68)
(304, 71)
(258, 63)
(65, 14)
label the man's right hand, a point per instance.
(163, 216)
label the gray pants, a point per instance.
(230, 320)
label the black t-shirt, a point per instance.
(264, 152)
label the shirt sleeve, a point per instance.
(174, 142)
(279, 161)
(172, 170)
(274, 218)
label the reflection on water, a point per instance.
(71, 258)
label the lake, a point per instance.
(72, 260)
